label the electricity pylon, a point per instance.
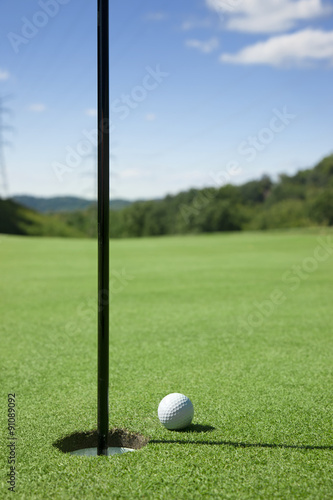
(4, 188)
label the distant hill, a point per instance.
(55, 204)
(119, 204)
(62, 203)
(17, 219)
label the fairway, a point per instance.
(240, 323)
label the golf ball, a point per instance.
(175, 411)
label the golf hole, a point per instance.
(85, 443)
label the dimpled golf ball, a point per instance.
(175, 411)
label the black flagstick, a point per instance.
(103, 228)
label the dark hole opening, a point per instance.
(88, 439)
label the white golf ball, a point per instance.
(175, 411)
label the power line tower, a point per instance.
(4, 189)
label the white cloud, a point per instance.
(191, 24)
(150, 117)
(267, 16)
(191, 177)
(37, 107)
(91, 112)
(156, 16)
(204, 47)
(132, 173)
(296, 49)
(4, 75)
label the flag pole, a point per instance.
(103, 207)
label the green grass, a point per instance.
(175, 327)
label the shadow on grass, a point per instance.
(196, 428)
(241, 444)
(124, 438)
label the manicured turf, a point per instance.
(179, 323)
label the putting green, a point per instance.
(240, 323)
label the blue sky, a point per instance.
(203, 92)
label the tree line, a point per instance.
(301, 200)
